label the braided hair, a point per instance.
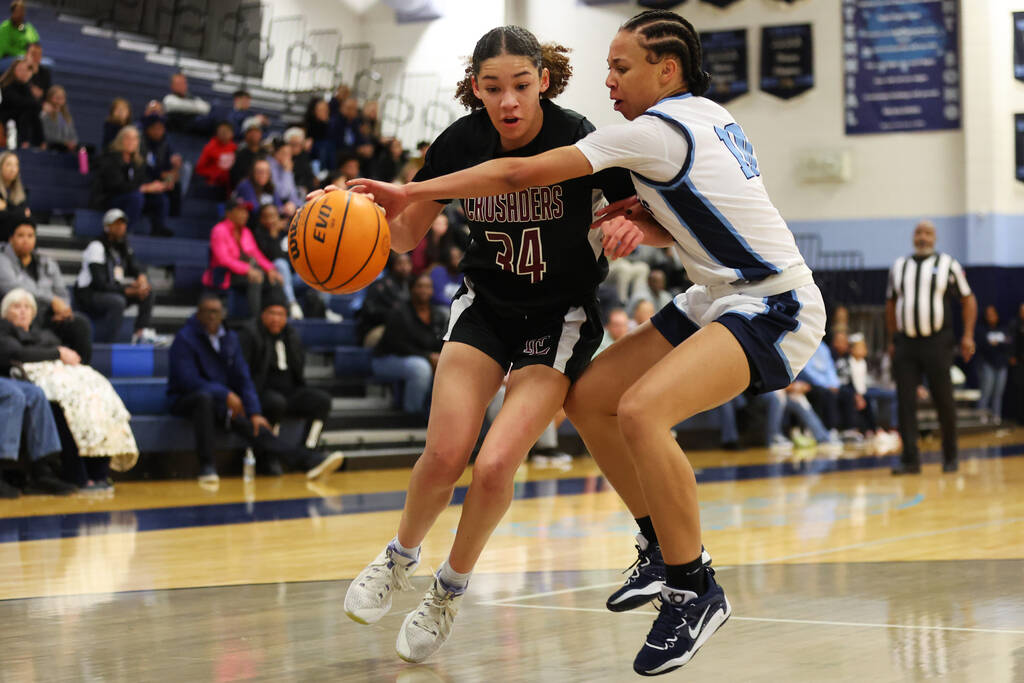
(666, 34)
(515, 40)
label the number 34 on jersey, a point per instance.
(529, 262)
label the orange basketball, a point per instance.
(339, 242)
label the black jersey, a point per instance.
(530, 250)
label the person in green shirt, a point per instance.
(16, 33)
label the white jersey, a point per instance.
(695, 171)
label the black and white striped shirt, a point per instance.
(918, 285)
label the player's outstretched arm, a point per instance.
(408, 223)
(498, 176)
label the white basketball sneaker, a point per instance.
(428, 626)
(369, 595)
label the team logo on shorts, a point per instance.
(537, 347)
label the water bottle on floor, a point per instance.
(249, 465)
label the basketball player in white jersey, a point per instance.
(753, 318)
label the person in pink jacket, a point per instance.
(237, 267)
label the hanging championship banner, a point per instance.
(1018, 133)
(787, 60)
(1018, 45)
(902, 66)
(659, 4)
(725, 58)
(721, 3)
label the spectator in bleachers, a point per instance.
(22, 267)
(347, 123)
(111, 280)
(247, 154)
(282, 173)
(209, 382)
(655, 291)
(628, 275)
(259, 188)
(120, 115)
(120, 182)
(347, 170)
(389, 161)
(276, 357)
(382, 296)
(820, 375)
(18, 104)
(162, 163)
(615, 329)
(302, 161)
(269, 235)
(1016, 361)
(994, 352)
(446, 277)
(371, 120)
(186, 112)
(92, 421)
(217, 159)
(317, 122)
(13, 195)
(42, 77)
(241, 101)
(59, 132)
(15, 33)
(643, 310)
(237, 266)
(26, 420)
(792, 402)
(433, 246)
(410, 347)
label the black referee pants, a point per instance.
(930, 357)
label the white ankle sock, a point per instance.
(452, 578)
(412, 554)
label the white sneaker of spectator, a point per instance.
(148, 335)
(780, 445)
(295, 311)
(832, 448)
(332, 317)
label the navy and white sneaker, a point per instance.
(647, 577)
(684, 624)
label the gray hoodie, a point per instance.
(49, 285)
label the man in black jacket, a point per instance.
(381, 297)
(162, 163)
(110, 280)
(276, 358)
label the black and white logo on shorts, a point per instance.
(537, 347)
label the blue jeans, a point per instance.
(285, 269)
(780, 405)
(993, 382)
(25, 410)
(727, 418)
(415, 371)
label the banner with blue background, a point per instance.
(902, 65)
(725, 58)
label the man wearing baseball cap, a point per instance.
(111, 280)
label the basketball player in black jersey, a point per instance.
(528, 306)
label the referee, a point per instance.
(917, 317)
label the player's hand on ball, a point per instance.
(390, 197)
(621, 237)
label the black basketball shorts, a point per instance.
(564, 339)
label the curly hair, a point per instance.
(666, 34)
(515, 40)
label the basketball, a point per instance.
(339, 242)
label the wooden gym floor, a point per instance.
(836, 571)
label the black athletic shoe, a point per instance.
(685, 622)
(49, 485)
(950, 466)
(8, 490)
(906, 468)
(646, 579)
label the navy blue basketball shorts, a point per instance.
(778, 333)
(564, 339)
